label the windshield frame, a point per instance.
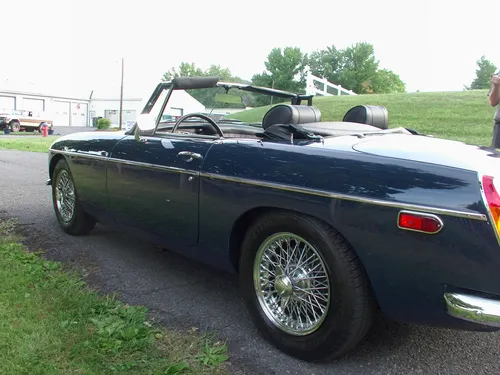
(190, 83)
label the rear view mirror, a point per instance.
(228, 98)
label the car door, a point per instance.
(153, 185)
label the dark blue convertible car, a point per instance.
(325, 222)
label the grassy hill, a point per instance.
(463, 115)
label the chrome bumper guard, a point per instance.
(473, 309)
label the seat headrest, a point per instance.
(374, 115)
(291, 114)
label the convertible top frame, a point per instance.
(188, 83)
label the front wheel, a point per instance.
(69, 212)
(15, 126)
(304, 286)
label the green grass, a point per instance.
(463, 116)
(51, 323)
(41, 144)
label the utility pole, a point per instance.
(121, 98)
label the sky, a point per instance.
(73, 47)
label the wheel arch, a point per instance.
(241, 225)
(80, 223)
(53, 163)
(239, 230)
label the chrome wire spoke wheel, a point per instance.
(65, 196)
(291, 283)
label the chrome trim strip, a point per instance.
(154, 166)
(294, 189)
(79, 154)
(425, 214)
(473, 309)
(127, 162)
(328, 194)
(485, 203)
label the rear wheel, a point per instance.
(304, 286)
(69, 212)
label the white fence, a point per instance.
(320, 86)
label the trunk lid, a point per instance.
(431, 150)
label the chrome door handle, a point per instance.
(192, 155)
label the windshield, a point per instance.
(217, 103)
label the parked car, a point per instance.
(23, 119)
(325, 222)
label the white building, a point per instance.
(64, 110)
(110, 108)
(80, 110)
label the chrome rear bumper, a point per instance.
(473, 309)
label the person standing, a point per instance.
(494, 98)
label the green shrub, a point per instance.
(103, 123)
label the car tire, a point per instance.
(15, 126)
(348, 314)
(69, 212)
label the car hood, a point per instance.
(432, 150)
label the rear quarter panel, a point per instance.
(408, 271)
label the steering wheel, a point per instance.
(206, 118)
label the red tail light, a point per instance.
(419, 222)
(492, 200)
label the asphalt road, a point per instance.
(183, 294)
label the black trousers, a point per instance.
(495, 142)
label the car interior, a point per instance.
(285, 121)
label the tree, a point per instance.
(386, 82)
(358, 68)
(355, 68)
(326, 63)
(207, 96)
(184, 70)
(483, 74)
(285, 70)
